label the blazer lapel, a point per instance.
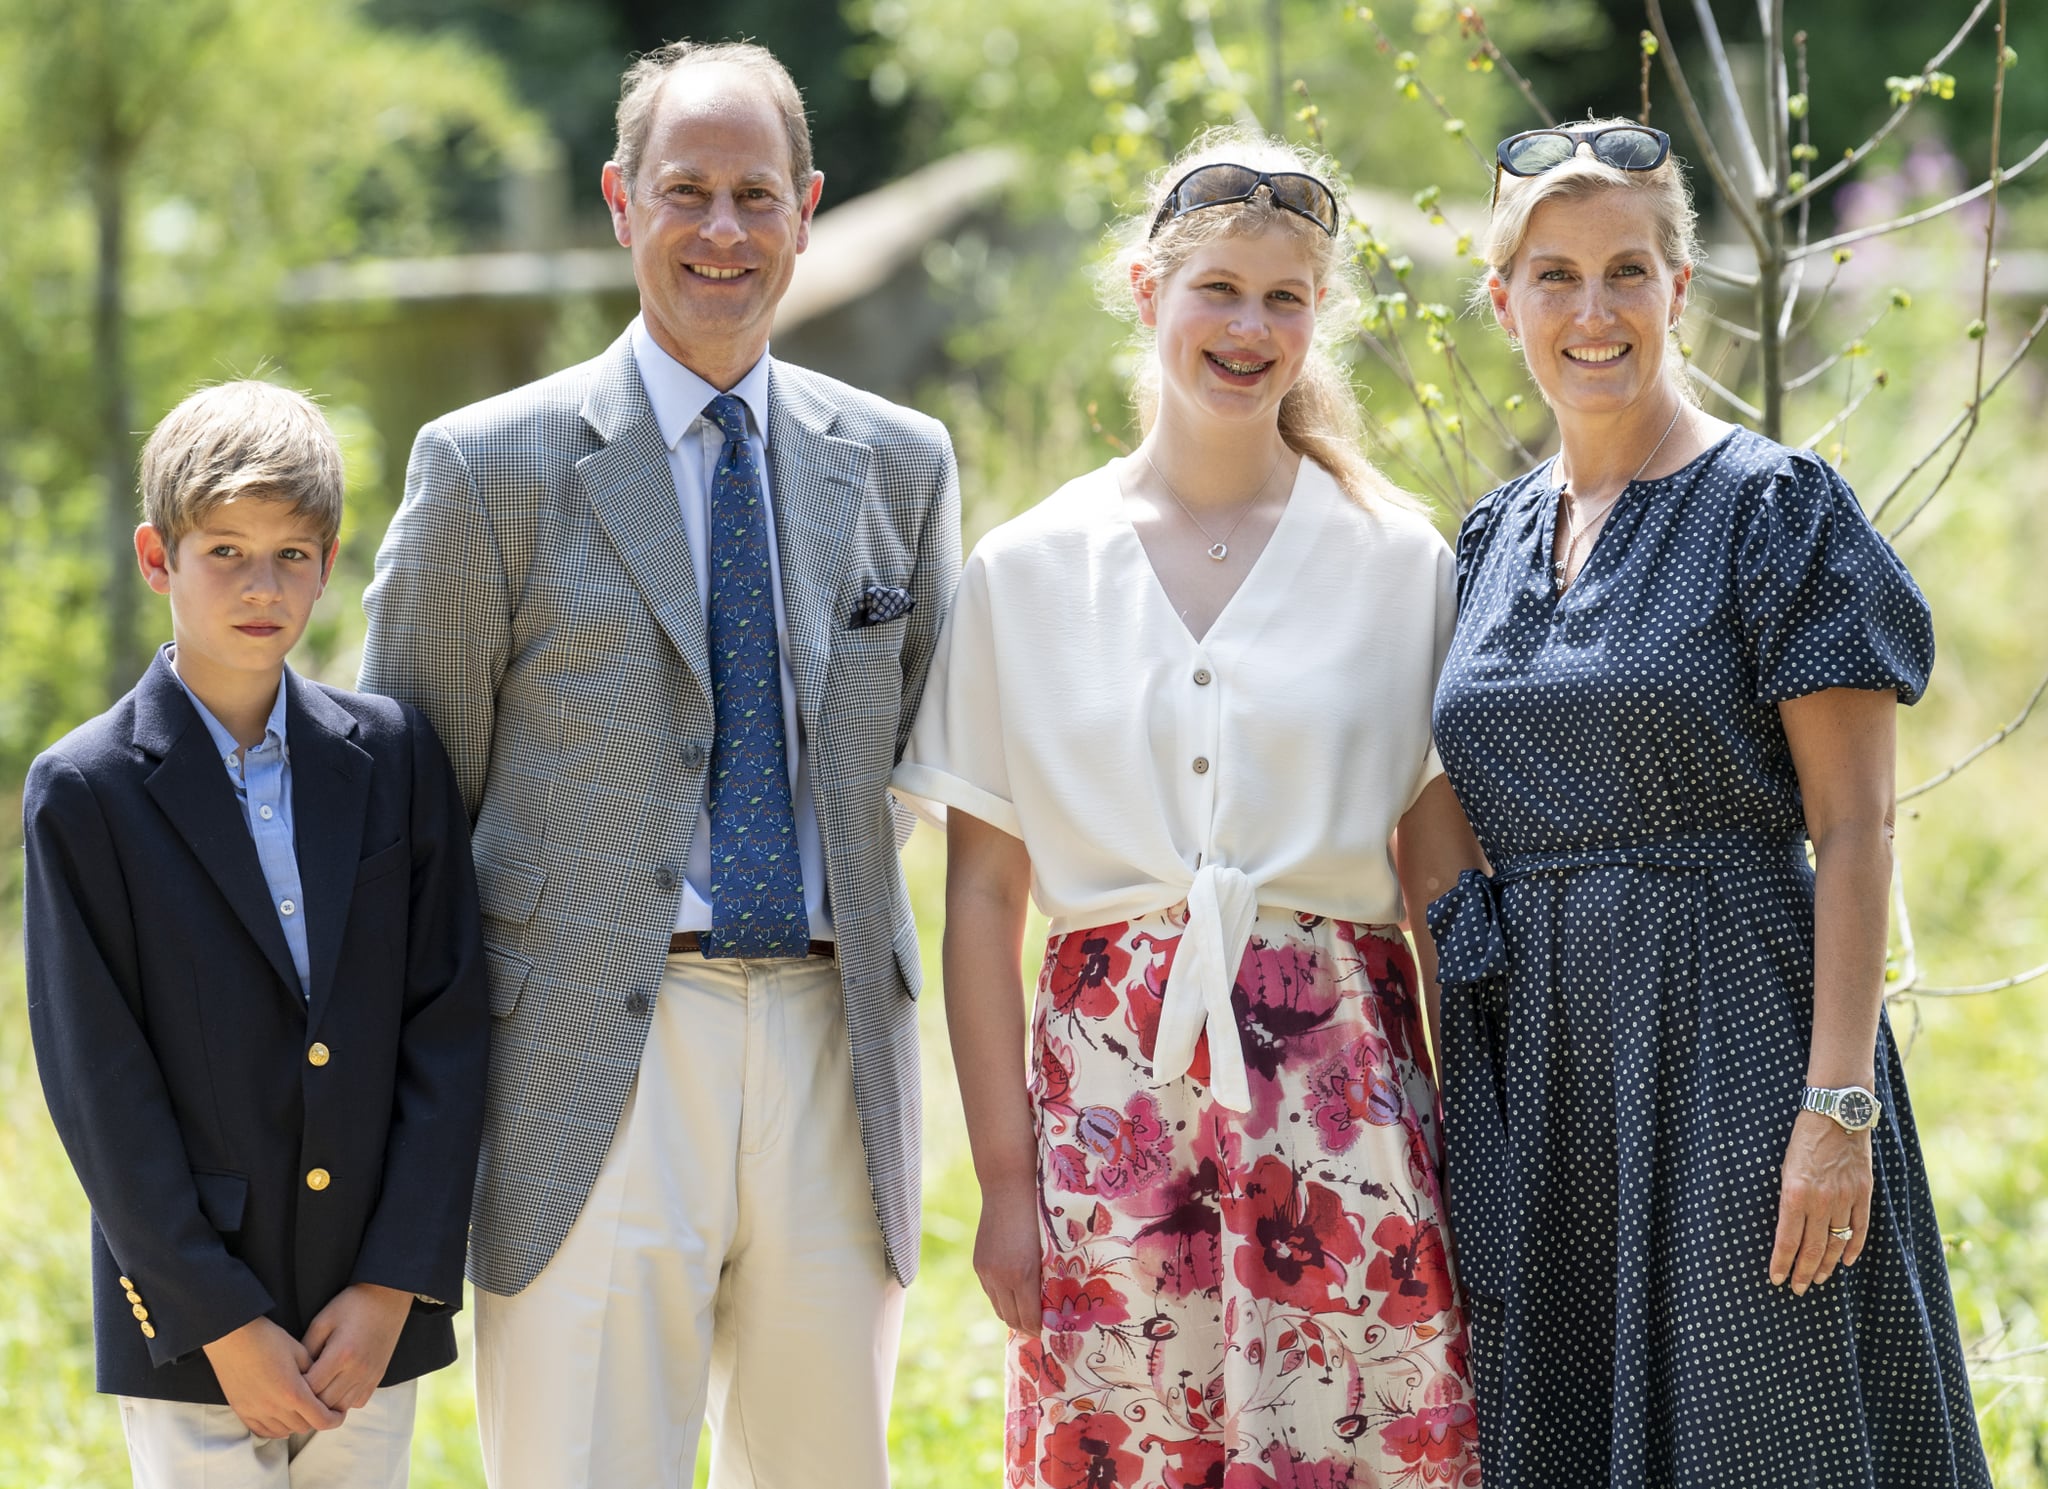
(635, 500)
(330, 790)
(820, 482)
(191, 788)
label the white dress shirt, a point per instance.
(694, 443)
(1267, 763)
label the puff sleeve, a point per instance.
(957, 755)
(1823, 600)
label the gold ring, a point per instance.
(1842, 1232)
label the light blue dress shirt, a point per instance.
(679, 398)
(262, 779)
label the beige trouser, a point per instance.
(180, 1445)
(728, 1255)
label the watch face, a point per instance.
(1857, 1110)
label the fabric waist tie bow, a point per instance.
(1466, 921)
(1222, 904)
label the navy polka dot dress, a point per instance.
(1628, 1001)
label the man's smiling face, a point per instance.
(714, 220)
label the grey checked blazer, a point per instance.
(534, 598)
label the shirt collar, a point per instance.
(225, 744)
(680, 397)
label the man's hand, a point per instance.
(351, 1340)
(262, 1370)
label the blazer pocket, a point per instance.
(509, 891)
(909, 964)
(507, 975)
(222, 1198)
(382, 862)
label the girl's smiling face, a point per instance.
(1592, 300)
(1234, 324)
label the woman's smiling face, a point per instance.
(1592, 300)
(1234, 323)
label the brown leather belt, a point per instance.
(683, 941)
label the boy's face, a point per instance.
(242, 587)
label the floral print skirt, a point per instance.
(1256, 1300)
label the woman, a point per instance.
(1679, 653)
(1185, 701)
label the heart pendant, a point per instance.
(1218, 552)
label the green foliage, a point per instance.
(246, 138)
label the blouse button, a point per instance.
(1201, 765)
(1201, 677)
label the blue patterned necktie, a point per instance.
(757, 876)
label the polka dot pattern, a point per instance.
(757, 877)
(1628, 1001)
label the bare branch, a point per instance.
(1737, 201)
(1474, 24)
(1957, 766)
(1731, 100)
(1812, 442)
(1216, 67)
(2010, 1355)
(1965, 418)
(1820, 369)
(1828, 245)
(1436, 99)
(1747, 410)
(1734, 277)
(1797, 279)
(1849, 161)
(1976, 989)
(1734, 328)
(1827, 288)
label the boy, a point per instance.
(256, 991)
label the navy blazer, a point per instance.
(248, 1151)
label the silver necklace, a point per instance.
(1573, 535)
(1219, 548)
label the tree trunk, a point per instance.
(125, 657)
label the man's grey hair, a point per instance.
(640, 91)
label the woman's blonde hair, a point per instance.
(1664, 190)
(1319, 414)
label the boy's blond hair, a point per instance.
(246, 438)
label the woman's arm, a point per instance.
(1842, 743)
(988, 877)
(1433, 844)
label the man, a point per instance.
(672, 610)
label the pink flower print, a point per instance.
(1289, 1471)
(1300, 1241)
(1410, 1270)
(1357, 1084)
(1180, 1252)
(1129, 1148)
(1074, 1299)
(1086, 970)
(1441, 1440)
(1067, 1170)
(1283, 995)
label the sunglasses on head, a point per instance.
(1626, 147)
(1220, 184)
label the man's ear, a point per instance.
(327, 563)
(153, 558)
(807, 206)
(616, 195)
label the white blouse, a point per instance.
(1266, 763)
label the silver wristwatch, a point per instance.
(1852, 1106)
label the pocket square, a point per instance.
(880, 602)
